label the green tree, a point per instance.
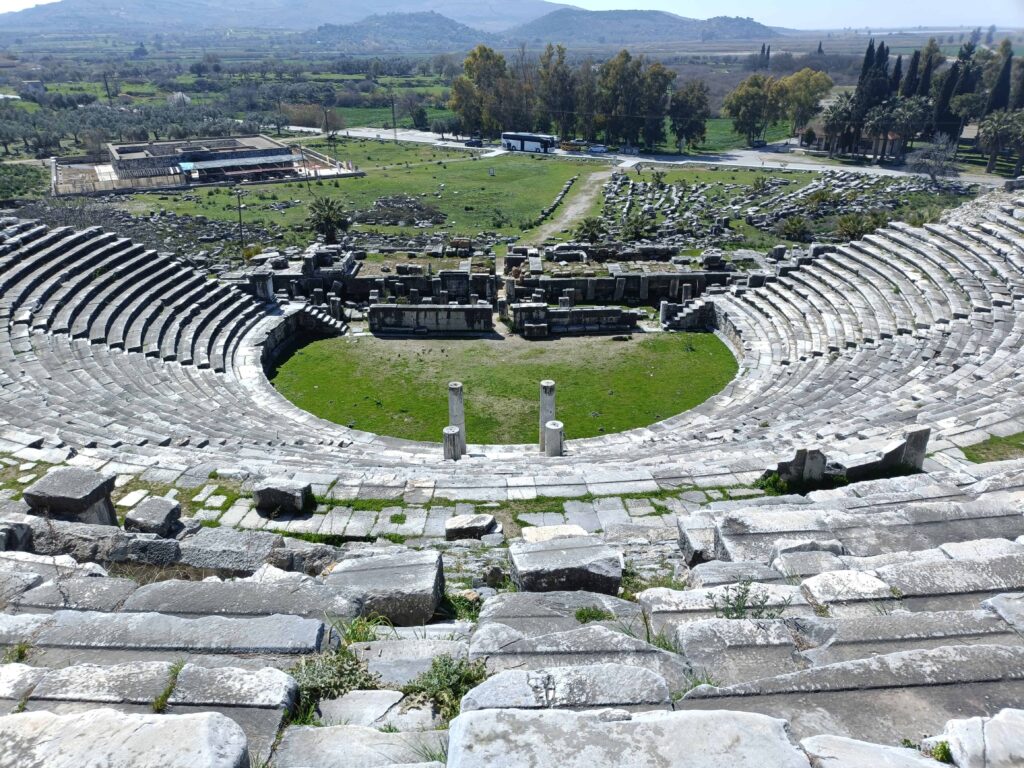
(327, 217)
(689, 113)
(803, 92)
(586, 99)
(555, 91)
(909, 86)
(754, 105)
(999, 96)
(995, 133)
(656, 82)
(590, 230)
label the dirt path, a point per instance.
(580, 201)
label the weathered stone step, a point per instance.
(71, 637)
(505, 648)
(580, 687)
(513, 738)
(242, 599)
(913, 692)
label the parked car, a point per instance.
(474, 143)
(597, 149)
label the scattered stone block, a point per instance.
(155, 514)
(541, 613)
(468, 527)
(405, 587)
(535, 534)
(278, 497)
(583, 563)
(74, 494)
(226, 550)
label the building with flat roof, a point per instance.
(197, 161)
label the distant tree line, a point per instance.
(627, 99)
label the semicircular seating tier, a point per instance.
(127, 357)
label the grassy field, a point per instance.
(721, 136)
(996, 449)
(458, 185)
(398, 387)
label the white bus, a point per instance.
(528, 142)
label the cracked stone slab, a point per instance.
(513, 738)
(119, 740)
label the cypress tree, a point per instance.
(924, 87)
(909, 87)
(897, 76)
(869, 61)
(999, 97)
(768, 57)
(821, 51)
(882, 58)
(1018, 96)
(945, 121)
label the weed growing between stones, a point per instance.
(695, 679)
(464, 607)
(328, 676)
(633, 583)
(942, 753)
(432, 753)
(17, 653)
(445, 683)
(740, 601)
(588, 614)
(160, 702)
(362, 629)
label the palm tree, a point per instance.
(590, 230)
(327, 217)
(837, 117)
(995, 134)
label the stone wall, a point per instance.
(628, 288)
(536, 320)
(430, 318)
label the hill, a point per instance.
(402, 33)
(572, 26)
(181, 15)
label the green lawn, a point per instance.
(459, 185)
(721, 136)
(398, 387)
(996, 449)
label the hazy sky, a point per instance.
(805, 15)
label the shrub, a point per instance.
(794, 228)
(740, 601)
(330, 675)
(445, 683)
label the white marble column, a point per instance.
(457, 412)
